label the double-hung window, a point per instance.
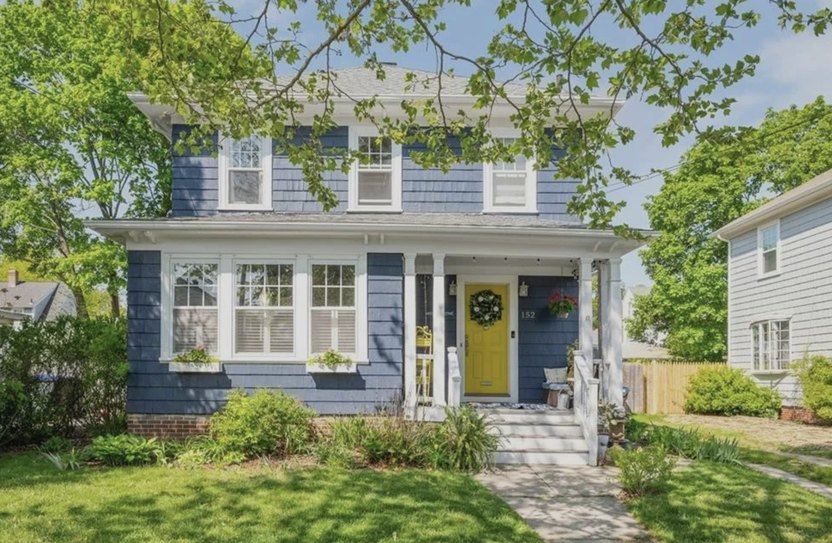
(376, 178)
(264, 309)
(333, 308)
(194, 307)
(246, 173)
(768, 240)
(510, 186)
(770, 345)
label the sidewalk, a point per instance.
(566, 503)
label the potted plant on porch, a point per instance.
(561, 304)
(197, 360)
(330, 361)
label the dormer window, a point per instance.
(510, 187)
(246, 174)
(375, 180)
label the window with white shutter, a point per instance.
(375, 179)
(194, 307)
(245, 166)
(264, 308)
(510, 186)
(333, 308)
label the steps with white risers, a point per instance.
(544, 436)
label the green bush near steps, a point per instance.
(642, 470)
(728, 391)
(815, 375)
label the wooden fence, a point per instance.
(659, 387)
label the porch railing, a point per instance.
(586, 405)
(454, 378)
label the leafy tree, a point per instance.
(726, 174)
(72, 145)
(267, 77)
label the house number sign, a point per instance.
(528, 315)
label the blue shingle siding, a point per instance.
(153, 389)
(196, 183)
(543, 341)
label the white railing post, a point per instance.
(410, 395)
(615, 377)
(440, 375)
(454, 379)
(586, 405)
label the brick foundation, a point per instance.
(167, 426)
(798, 414)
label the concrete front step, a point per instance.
(537, 430)
(553, 444)
(535, 418)
(536, 457)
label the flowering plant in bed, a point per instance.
(561, 304)
(197, 360)
(330, 361)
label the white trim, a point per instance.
(777, 250)
(395, 205)
(530, 206)
(513, 357)
(728, 335)
(266, 166)
(410, 398)
(438, 311)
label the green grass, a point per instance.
(716, 502)
(812, 450)
(753, 452)
(151, 504)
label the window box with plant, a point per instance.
(331, 361)
(197, 360)
(562, 304)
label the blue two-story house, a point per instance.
(248, 267)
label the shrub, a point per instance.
(60, 377)
(394, 441)
(264, 423)
(202, 450)
(728, 391)
(56, 444)
(691, 444)
(815, 375)
(642, 470)
(464, 441)
(124, 450)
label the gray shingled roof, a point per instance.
(364, 82)
(415, 219)
(25, 295)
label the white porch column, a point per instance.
(585, 308)
(439, 373)
(410, 334)
(604, 323)
(616, 336)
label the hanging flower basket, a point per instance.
(561, 304)
(486, 308)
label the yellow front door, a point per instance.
(486, 349)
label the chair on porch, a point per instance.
(424, 365)
(558, 390)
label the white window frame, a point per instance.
(266, 165)
(760, 253)
(276, 357)
(360, 264)
(302, 302)
(756, 362)
(395, 205)
(166, 317)
(488, 182)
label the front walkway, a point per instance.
(812, 486)
(566, 503)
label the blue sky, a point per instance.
(794, 69)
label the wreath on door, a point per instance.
(486, 307)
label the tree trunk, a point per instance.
(81, 310)
(115, 305)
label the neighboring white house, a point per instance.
(633, 349)
(780, 284)
(35, 300)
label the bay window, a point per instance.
(770, 345)
(194, 307)
(333, 308)
(263, 312)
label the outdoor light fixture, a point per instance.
(452, 288)
(523, 290)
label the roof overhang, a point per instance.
(163, 117)
(817, 189)
(150, 232)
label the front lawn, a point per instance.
(251, 504)
(717, 502)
